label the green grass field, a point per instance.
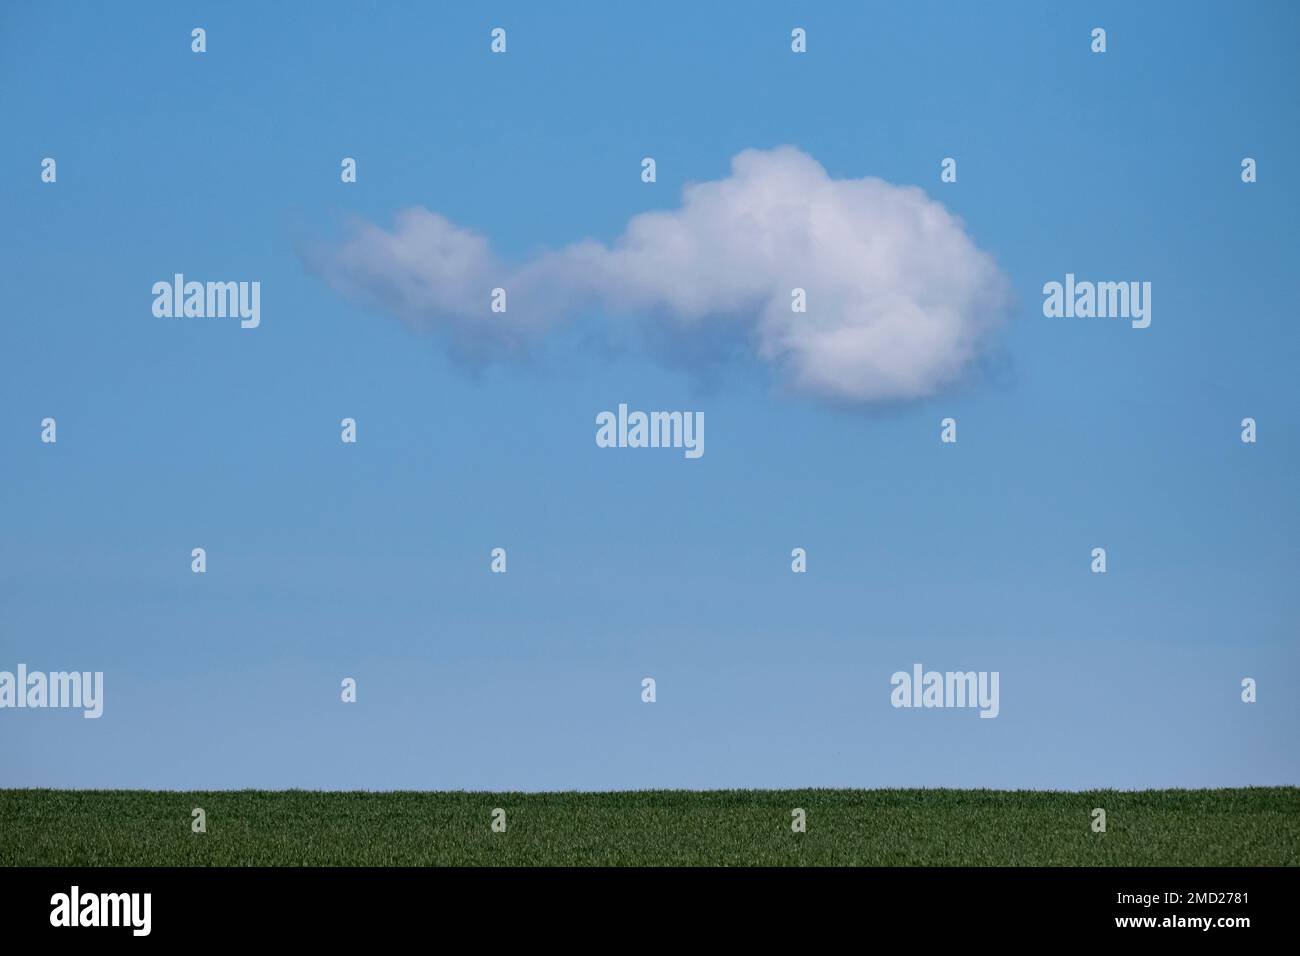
(1249, 827)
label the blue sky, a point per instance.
(371, 560)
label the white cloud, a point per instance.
(900, 300)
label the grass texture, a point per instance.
(1231, 827)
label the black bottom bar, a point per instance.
(375, 905)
